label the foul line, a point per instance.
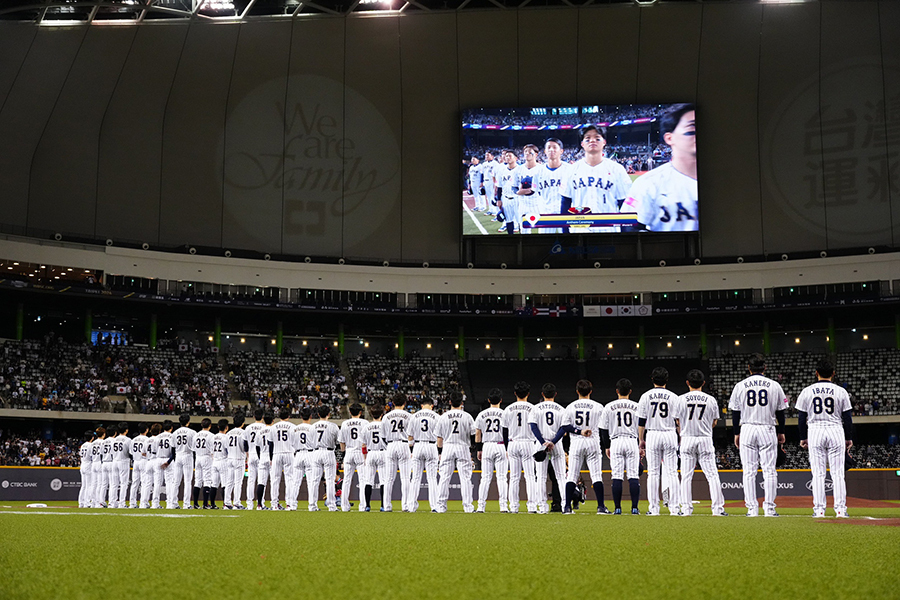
(474, 220)
(114, 514)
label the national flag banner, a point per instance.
(121, 389)
(536, 221)
(182, 347)
(540, 312)
(626, 311)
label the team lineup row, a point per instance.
(522, 440)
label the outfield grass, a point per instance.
(73, 553)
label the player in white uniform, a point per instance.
(153, 465)
(183, 441)
(203, 447)
(826, 428)
(546, 423)
(141, 470)
(253, 434)
(455, 429)
(488, 170)
(529, 201)
(424, 453)
(520, 445)
(220, 471)
(264, 452)
(374, 446)
(351, 440)
(584, 421)
(304, 446)
(548, 182)
(595, 184)
(236, 456)
(757, 403)
(323, 461)
(698, 417)
(505, 192)
(658, 411)
(110, 478)
(165, 463)
(492, 452)
(665, 199)
(396, 425)
(281, 444)
(621, 421)
(476, 183)
(122, 462)
(86, 470)
(98, 487)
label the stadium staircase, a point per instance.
(352, 394)
(233, 395)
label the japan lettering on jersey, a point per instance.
(280, 437)
(548, 183)
(373, 437)
(506, 180)
(660, 407)
(598, 188)
(351, 433)
(219, 446)
(456, 427)
(620, 418)
(326, 434)
(664, 200)
(490, 424)
(476, 175)
(106, 454)
(585, 415)
(396, 424)
(122, 447)
(165, 445)
(423, 425)
(698, 412)
(515, 419)
(548, 416)
(524, 179)
(304, 437)
(84, 452)
(234, 443)
(757, 397)
(183, 440)
(203, 443)
(823, 403)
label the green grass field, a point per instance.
(69, 553)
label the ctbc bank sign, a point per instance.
(39, 483)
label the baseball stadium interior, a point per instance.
(210, 207)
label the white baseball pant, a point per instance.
(158, 474)
(556, 457)
(98, 484)
(456, 456)
(137, 481)
(281, 462)
(662, 453)
(234, 482)
(87, 485)
(759, 449)
(263, 468)
(397, 457)
(184, 469)
(110, 484)
(624, 456)
(827, 448)
(300, 467)
(221, 473)
(123, 467)
(252, 476)
(203, 471)
(493, 457)
(323, 462)
(521, 459)
(375, 464)
(694, 450)
(172, 477)
(354, 462)
(581, 450)
(424, 457)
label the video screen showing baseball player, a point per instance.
(580, 169)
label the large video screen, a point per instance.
(579, 169)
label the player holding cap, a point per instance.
(546, 422)
(203, 444)
(757, 407)
(699, 415)
(281, 445)
(374, 446)
(323, 461)
(621, 420)
(396, 425)
(221, 473)
(304, 439)
(658, 411)
(235, 455)
(492, 451)
(826, 428)
(520, 443)
(584, 420)
(183, 440)
(455, 429)
(424, 453)
(141, 470)
(86, 470)
(351, 440)
(122, 462)
(253, 436)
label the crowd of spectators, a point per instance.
(30, 450)
(529, 120)
(378, 378)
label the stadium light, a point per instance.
(609, 346)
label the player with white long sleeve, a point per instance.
(183, 441)
(304, 440)
(520, 448)
(351, 441)
(97, 486)
(220, 471)
(323, 461)
(203, 447)
(264, 452)
(621, 421)
(110, 479)
(397, 457)
(122, 462)
(757, 407)
(374, 446)
(826, 428)
(282, 448)
(699, 414)
(546, 423)
(165, 463)
(658, 411)
(492, 452)
(141, 470)
(424, 453)
(583, 420)
(86, 470)
(236, 453)
(253, 434)
(455, 428)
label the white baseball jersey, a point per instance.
(395, 425)
(280, 437)
(351, 433)
(698, 412)
(164, 445)
(254, 433)
(153, 447)
(515, 419)
(304, 437)
(598, 188)
(757, 397)
(489, 172)
(476, 177)
(548, 183)
(456, 426)
(203, 443)
(96, 450)
(664, 200)
(84, 453)
(234, 443)
(106, 453)
(620, 418)
(326, 434)
(183, 440)
(373, 437)
(823, 403)
(122, 447)
(660, 407)
(524, 178)
(220, 446)
(548, 416)
(585, 414)
(140, 448)
(490, 424)
(422, 426)
(506, 180)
